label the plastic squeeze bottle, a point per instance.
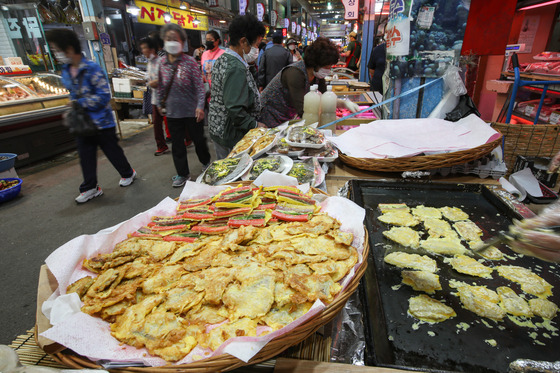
(311, 106)
(328, 106)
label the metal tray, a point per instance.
(396, 339)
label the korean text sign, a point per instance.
(153, 14)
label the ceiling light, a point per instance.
(108, 20)
(167, 15)
(541, 4)
(329, 7)
(132, 9)
(198, 11)
(182, 6)
(196, 21)
(5, 8)
(222, 21)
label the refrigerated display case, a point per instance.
(31, 108)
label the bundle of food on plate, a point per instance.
(263, 144)
(225, 170)
(325, 154)
(305, 136)
(245, 258)
(307, 171)
(245, 144)
(282, 147)
(274, 163)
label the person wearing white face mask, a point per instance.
(292, 48)
(282, 99)
(181, 98)
(234, 96)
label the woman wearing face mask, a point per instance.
(282, 99)
(212, 53)
(234, 96)
(181, 99)
(292, 48)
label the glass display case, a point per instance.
(26, 94)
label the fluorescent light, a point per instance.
(222, 21)
(198, 11)
(541, 4)
(133, 9)
(108, 20)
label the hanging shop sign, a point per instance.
(273, 18)
(213, 3)
(29, 26)
(303, 32)
(284, 32)
(298, 29)
(104, 38)
(315, 28)
(294, 27)
(286, 23)
(243, 4)
(351, 9)
(333, 31)
(151, 13)
(260, 11)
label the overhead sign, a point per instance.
(294, 27)
(273, 18)
(298, 29)
(304, 32)
(286, 23)
(213, 3)
(152, 14)
(350, 9)
(333, 31)
(260, 11)
(243, 6)
(104, 38)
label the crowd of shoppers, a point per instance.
(224, 88)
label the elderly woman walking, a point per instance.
(181, 98)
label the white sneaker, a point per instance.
(126, 181)
(89, 194)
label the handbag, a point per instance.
(77, 119)
(168, 88)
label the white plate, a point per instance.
(245, 163)
(304, 145)
(322, 159)
(291, 153)
(286, 164)
(266, 148)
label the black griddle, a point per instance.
(396, 339)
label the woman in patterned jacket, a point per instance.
(88, 86)
(235, 103)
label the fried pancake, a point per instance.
(81, 286)
(400, 218)
(513, 303)
(404, 236)
(244, 327)
(444, 246)
(163, 277)
(314, 286)
(454, 213)
(385, 207)
(279, 317)
(412, 261)
(469, 266)
(428, 309)
(530, 282)
(423, 212)
(468, 230)
(482, 301)
(439, 228)
(321, 245)
(207, 314)
(491, 253)
(421, 281)
(543, 308)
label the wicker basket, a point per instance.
(421, 162)
(541, 140)
(226, 362)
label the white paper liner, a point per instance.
(90, 336)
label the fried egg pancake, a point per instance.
(543, 308)
(277, 318)
(444, 246)
(404, 236)
(513, 303)
(384, 207)
(482, 301)
(439, 228)
(423, 212)
(469, 266)
(400, 218)
(421, 281)
(454, 213)
(468, 230)
(492, 253)
(530, 282)
(413, 261)
(428, 309)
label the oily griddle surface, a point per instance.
(396, 339)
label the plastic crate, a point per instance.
(10, 193)
(123, 95)
(6, 164)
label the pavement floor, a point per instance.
(45, 216)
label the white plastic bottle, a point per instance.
(328, 106)
(311, 106)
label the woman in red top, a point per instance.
(212, 53)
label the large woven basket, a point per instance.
(541, 140)
(227, 362)
(420, 162)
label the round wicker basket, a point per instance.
(421, 162)
(226, 362)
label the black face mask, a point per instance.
(210, 45)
